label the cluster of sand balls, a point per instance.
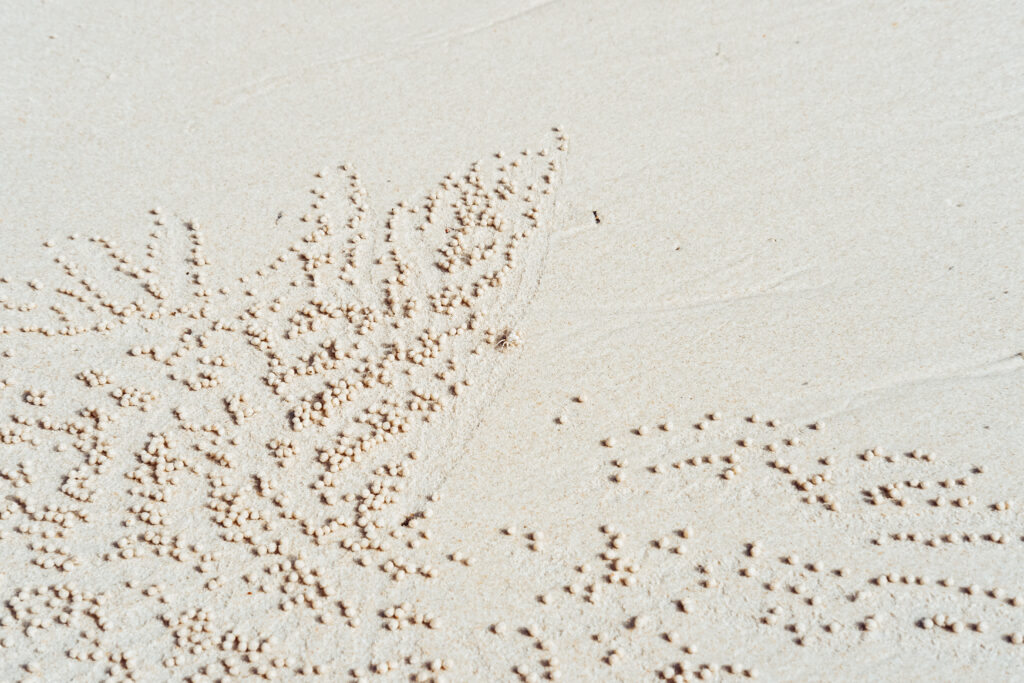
(262, 425)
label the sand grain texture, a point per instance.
(472, 342)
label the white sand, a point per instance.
(808, 211)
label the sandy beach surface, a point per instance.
(486, 341)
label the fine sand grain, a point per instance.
(481, 342)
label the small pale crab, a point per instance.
(507, 339)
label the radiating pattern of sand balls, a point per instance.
(210, 479)
(253, 448)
